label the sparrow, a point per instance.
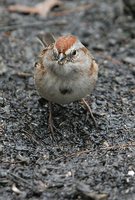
(65, 72)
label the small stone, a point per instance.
(3, 67)
(112, 41)
(69, 174)
(85, 192)
(131, 173)
(2, 100)
(44, 171)
(99, 47)
(23, 158)
(1, 148)
(129, 60)
(7, 109)
(3, 173)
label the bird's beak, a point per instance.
(61, 58)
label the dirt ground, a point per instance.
(80, 161)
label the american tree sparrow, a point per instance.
(65, 72)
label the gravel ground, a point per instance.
(80, 161)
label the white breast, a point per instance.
(56, 90)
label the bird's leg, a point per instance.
(50, 120)
(52, 127)
(91, 114)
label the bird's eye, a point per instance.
(74, 52)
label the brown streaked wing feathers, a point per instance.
(46, 39)
(93, 68)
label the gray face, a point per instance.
(69, 64)
(63, 58)
(62, 64)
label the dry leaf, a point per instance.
(42, 8)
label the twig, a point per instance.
(12, 162)
(23, 74)
(30, 136)
(121, 146)
(21, 180)
(73, 154)
(102, 148)
(76, 9)
(90, 111)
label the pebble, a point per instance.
(7, 109)
(3, 67)
(1, 148)
(2, 100)
(131, 173)
(129, 60)
(99, 47)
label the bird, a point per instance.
(65, 72)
